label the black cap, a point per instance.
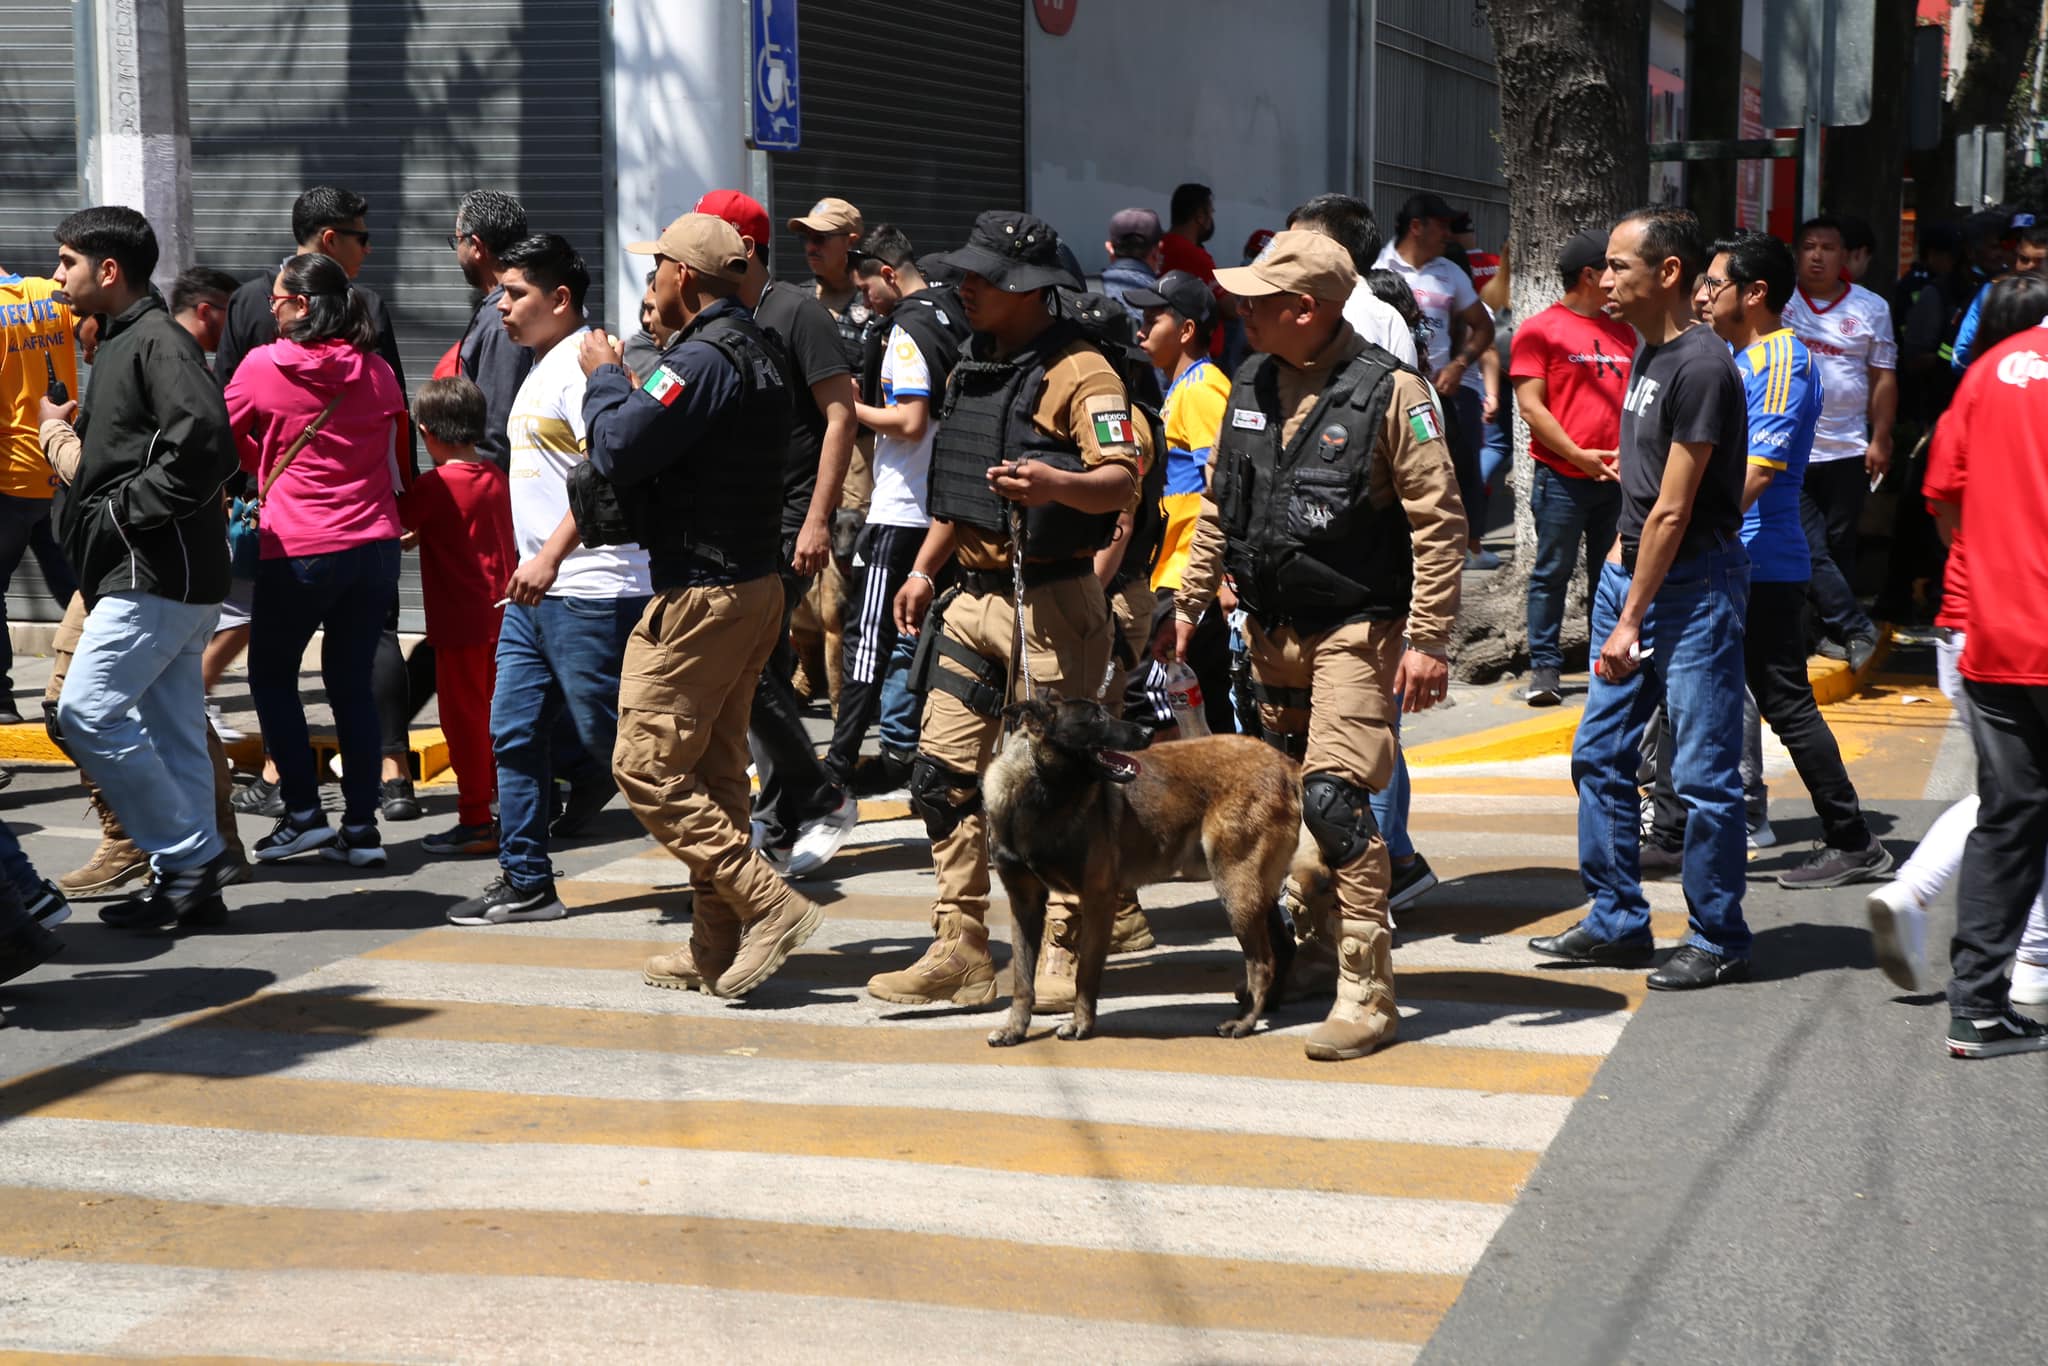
(1104, 319)
(1185, 294)
(1943, 236)
(1426, 205)
(1014, 252)
(1461, 222)
(1588, 248)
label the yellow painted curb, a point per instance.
(1536, 738)
(30, 743)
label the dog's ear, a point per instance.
(1030, 714)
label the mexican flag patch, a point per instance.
(1423, 424)
(1113, 428)
(664, 386)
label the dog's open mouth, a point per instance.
(1115, 766)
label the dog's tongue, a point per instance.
(1115, 766)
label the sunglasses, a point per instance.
(360, 234)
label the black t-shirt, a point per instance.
(811, 340)
(1686, 390)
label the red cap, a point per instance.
(1256, 243)
(744, 212)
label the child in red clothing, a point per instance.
(461, 512)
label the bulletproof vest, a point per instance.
(936, 321)
(1307, 545)
(986, 420)
(723, 504)
(1148, 522)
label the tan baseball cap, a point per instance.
(1294, 263)
(706, 244)
(828, 215)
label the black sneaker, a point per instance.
(396, 801)
(258, 799)
(1829, 867)
(501, 903)
(1994, 1038)
(25, 947)
(1861, 650)
(49, 907)
(1545, 688)
(1411, 880)
(359, 846)
(148, 909)
(464, 839)
(289, 838)
(1655, 861)
(10, 715)
(581, 806)
(880, 773)
(1692, 968)
(186, 889)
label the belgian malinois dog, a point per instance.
(1071, 809)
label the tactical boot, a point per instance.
(1314, 973)
(1130, 933)
(115, 862)
(1053, 984)
(766, 942)
(1364, 1018)
(955, 970)
(714, 941)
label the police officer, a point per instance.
(1035, 420)
(1333, 507)
(697, 450)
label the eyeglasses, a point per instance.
(455, 240)
(1710, 285)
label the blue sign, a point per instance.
(778, 118)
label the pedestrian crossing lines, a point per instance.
(499, 1144)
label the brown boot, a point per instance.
(1131, 933)
(1053, 984)
(714, 941)
(1363, 1019)
(955, 970)
(117, 860)
(766, 942)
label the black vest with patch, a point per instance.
(1307, 546)
(986, 421)
(935, 321)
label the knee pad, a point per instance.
(1338, 813)
(932, 786)
(54, 727)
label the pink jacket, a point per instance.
(342, 489)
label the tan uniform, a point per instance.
(1067, 648)
(1333, 690)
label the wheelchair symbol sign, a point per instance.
(777, 113)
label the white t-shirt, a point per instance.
(1376, 320)
(1441, 291)
(903, 468)
(548, 440)
(1848, 338)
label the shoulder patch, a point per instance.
(1249, 419)
(664, 386)
(1423, 424)
(1112, 426)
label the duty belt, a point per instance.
(982, 583)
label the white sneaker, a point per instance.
(227, 733)
(2029, 983)
(334, 763)
(1898, 934)
(820, 839)
(1761, 836)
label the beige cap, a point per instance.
(828, 215)
(706, 244)
(1294, 263)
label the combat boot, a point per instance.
(1314, 973)
(955, 970)
(1131, 933)
(116, 862)
(1363, 1019)
(698, 964)
(1052, 986)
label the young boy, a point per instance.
(461, 513)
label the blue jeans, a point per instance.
(134, 712)
(1500, 441)
(1390, 803)
(1566, 511)
(25, 528)
(563, 655)
(901, 708)
(346, 594)
(1694, 632)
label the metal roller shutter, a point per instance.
(410, 103)
(914, 113)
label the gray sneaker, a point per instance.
(1545, 689)
(1827, 867)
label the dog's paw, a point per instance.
(1005, 1037)
(1236, 1028)
(1072, 1032)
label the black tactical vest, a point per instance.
(987, 420)
(1148, 523)
(934, 320)
(722, 506)
(1307, 546)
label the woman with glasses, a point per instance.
(320, 421)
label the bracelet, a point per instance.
(920, 574)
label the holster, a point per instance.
(925, 659)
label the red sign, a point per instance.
(1056, 16)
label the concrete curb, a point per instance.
(30, 743)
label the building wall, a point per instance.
(1436, 109)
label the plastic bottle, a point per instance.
(1184, 692)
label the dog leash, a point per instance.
(1022, 656)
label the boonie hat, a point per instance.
(743, 211)
(708, 245)
(1185, 294)
(1014, 252)
(1582, 249)
(1294, 262)
(829, 215)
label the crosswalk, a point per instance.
(498, 1144)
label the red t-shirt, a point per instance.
(463, 514)
(1182, 253)
(1485, 265)
(1990, 457)
(1583, 363)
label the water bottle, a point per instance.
(1184, 692)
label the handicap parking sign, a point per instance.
(778, 118)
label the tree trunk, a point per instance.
(1573, 138)
(1713, 108)
(1999, 47)
(1860, 167)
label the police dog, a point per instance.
(1071, 810)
